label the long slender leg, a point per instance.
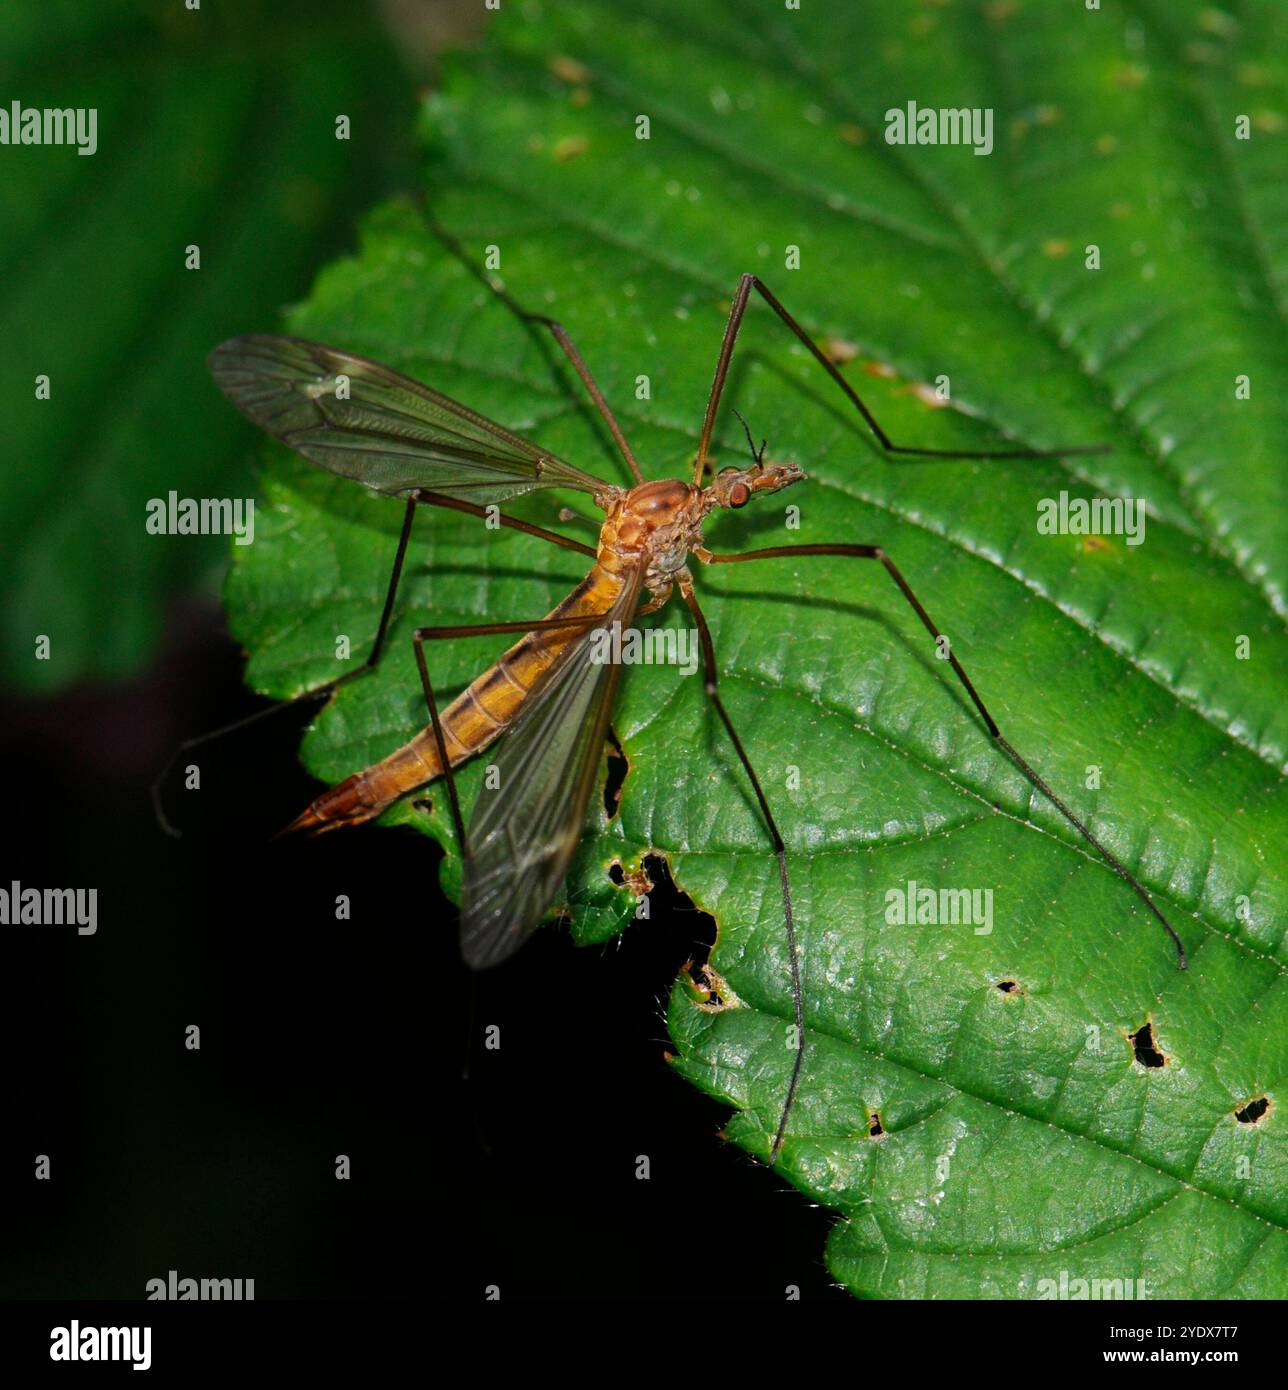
(566, 344)
(373, 656)
(588, 381)
(745, 287)
(328, 688)
(875, 552)
(456, 504)
(712, 676)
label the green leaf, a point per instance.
(216, 128)
(979, 1107)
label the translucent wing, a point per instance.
(522, 835)
(373, 424)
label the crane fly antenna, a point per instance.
(756, 454)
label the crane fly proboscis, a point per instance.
(547, 699)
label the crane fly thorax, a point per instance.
(659, 523)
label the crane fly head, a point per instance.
(733, 487)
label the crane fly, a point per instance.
(546, 701)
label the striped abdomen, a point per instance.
(474, 719)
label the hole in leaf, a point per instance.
(1008, 986)
(637, 880)
(423, 803)
(669, 901)
(875, 1127)
(618, 767)
(1252, 1112)
(1142, 1042)
(715, 993)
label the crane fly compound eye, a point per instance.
(739, 495)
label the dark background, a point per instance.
(470, 1167)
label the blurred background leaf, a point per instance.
(973, 1103)
(216, 128)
